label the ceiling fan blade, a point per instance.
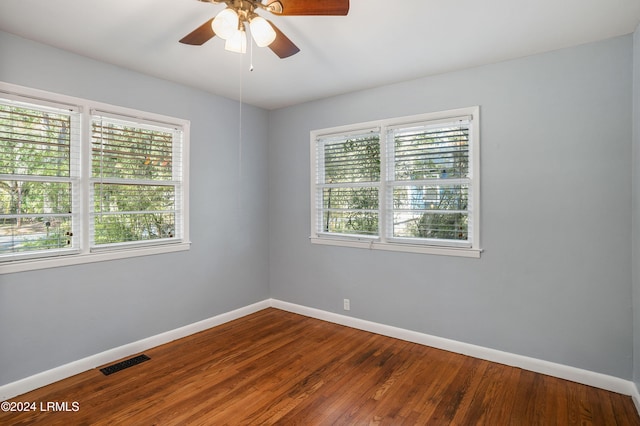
(282, 46)
(200, 35)
(307, 7)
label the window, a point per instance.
(135, 182)
(74, 193)
(408, 184)
(349, 187)
(38, 171)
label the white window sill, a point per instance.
(410, 248)
(11, 267)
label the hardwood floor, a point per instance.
(275, 367)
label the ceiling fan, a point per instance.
(230, 23)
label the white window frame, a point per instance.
(384, 240)
(84, 252)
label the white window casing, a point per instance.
(423, 196)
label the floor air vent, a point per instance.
(124, 364)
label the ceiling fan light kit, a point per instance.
(230, 23)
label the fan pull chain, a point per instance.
(240, 124)
(251, 54)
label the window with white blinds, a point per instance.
(136, 186)
(407, 184)
(82, 181)
(429, 180)
(348, 184)
(39, 171)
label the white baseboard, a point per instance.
(603, 381)
(635, 397)
(36, 381)
(578, 375)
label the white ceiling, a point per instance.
(379, 42)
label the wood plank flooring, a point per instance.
(275, 367)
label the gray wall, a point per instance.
(54, 316)
(554, 282)
(636, 208)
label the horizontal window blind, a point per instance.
(136, 181)
(348, 173)
(39, 171)
(129, 151)
(431, 151)
(434, 158)
(351, 159)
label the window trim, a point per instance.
(382, 241)
(85, 253)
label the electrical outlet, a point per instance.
(347, 305)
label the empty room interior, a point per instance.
(319, 212)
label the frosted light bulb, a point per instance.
(262, 32)
(225, 24)
(237, 42)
